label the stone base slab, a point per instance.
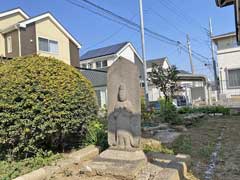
(133, 165)
(117, 163)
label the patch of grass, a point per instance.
(161, 149)
(206, 151)
(183, 145)
(13, 169)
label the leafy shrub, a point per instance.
(147, 115)
(96, 134)
(45, 104)
(185, 110)
(206, 109)
(169, 112)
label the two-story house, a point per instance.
(94, 64)
(104, 57)
(228, 56)
(21, 35)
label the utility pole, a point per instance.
(190, 53)
(213, 59)
(143, 53)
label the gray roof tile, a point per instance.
(109, 50)
(97, 77)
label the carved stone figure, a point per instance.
(124, 122)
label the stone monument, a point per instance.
(124, 157)
(124, 119)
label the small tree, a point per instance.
(165, 80)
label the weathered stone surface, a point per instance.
(180, 128)
(39, 174)
(117, 163)
(160, 126)
(178, 162)
(184, 157)
(124, 119)
(167, 174)
(166, 136)
(150, 170)
(70, 159)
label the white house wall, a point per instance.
(228, 59)
(128, 53)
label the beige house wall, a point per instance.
(47, 29)
(6, 22)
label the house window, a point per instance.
(234, 78)
(101, 64)
(9, 44)
(84, 65)
(48, 45)
(89, 66)
(104, 63)
(101, 97)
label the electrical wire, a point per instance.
(134, 26)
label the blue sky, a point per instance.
(171, 18)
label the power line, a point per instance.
(167, 21)
(176, 28)
(99, 14)
(184, 14)
(134, 26)
(109, 37)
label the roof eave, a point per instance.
(49, 15)
(223, 36)
(13, 11)
(132, 47)
(9, 29)
(102, 57)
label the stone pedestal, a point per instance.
(117, 163)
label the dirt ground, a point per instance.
(200, 142)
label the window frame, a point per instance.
(84, 65)
(106, 63)
(101, 64)
(48, 41)
(90, 65)
(9, 44)
(228, 80)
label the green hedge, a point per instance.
(45, 104)
(206, 109)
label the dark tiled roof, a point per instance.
(158, 61)
(97, 77)
(113, 49)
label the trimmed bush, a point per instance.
(205, 109)
(45, 105)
